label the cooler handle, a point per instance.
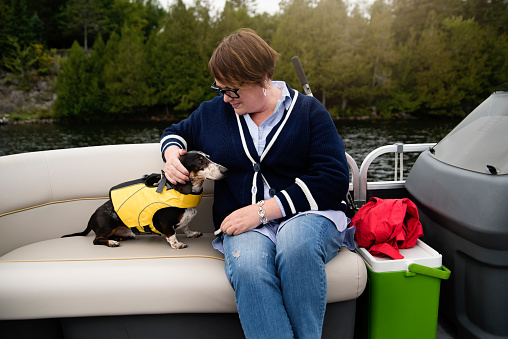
(439, 272)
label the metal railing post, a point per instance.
(398, 148)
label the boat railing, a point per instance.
(355, 174)
(360, 195)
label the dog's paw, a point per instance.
(174, 243)
(178, 245)
(113, 243)
(193, 234)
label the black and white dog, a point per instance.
(109, 228)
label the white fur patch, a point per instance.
(213, 171)
(183, 225)
(113, 243)
(188, 215)
(174, 243)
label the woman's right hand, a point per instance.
(174, 170)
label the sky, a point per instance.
(269, 6)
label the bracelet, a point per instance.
(261, 212)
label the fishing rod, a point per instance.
(301, 75)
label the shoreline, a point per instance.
(6, 121)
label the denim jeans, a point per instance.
(280, 289)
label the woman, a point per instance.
(280, 207)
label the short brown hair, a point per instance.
(243, 58)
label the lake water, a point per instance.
(360, 138)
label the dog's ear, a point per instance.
(187, 160)
(193, 160)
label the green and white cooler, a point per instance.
(403, 294)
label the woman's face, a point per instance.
(251, 100)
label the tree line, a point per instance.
(130, 59)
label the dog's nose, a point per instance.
(223, 170)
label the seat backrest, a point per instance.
(47, 194)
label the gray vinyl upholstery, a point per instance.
(45, 195)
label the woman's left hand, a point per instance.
(241, 220)
(247, 218)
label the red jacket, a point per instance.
(385, 225)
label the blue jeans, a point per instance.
(280, 289)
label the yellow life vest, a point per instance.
(136, 202)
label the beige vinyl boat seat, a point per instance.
(45, 195)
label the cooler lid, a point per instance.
(480, 142)
(421, 254)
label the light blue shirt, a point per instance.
(260, 133)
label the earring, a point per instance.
(264, 91)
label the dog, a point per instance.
(109, 227)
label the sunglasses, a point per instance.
(232, 93)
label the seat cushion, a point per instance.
(70, 277)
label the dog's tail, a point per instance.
(81, 234)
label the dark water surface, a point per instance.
(360, 138)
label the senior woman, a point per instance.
(280, 207)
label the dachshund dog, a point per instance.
(111, 223)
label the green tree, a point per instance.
(4, 12)
(330, 44)
(111, 49)
(153, 15)
(249, 5)
(178, 57)
(37, 27)
(353, 63)
(435, 77)
(404, 98)
(466, 41)
(20, 60)
(4, 9)
(414, 56)
(410, 16)
(331, 59)
(235, 15)
(89, 16)
(18, 23)
(94, 99)
(70, 83)
(126, 13)
(265, 25)
(478, 56)
(125, 74)
(292, 39)
(382, 56)
(488, 13)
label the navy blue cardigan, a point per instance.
(305, 166)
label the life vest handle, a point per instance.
(162, 183)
